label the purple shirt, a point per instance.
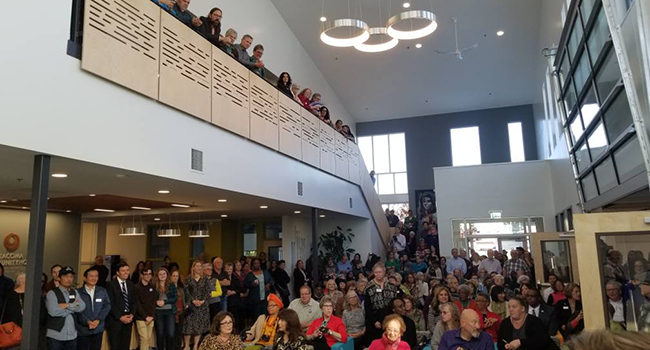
(451, 340)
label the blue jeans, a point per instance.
(53, 344)
(224, 303)
(165, 324)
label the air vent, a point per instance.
(197, 160)
(300, 188)
(350, 202)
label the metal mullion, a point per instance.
(592, 16)
(390, 165)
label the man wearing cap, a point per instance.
(307, 308)
(62, 304)
(120, 320)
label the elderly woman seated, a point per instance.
(262, 334)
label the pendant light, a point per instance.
(133, 230)
(356, 25)
(170, 231)
(199, 230)
(378, 31)
(410, 16)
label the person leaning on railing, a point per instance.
(179, 9)
(242, 54)
(258, 51)
(227, 45)
(210, 27)
(284, 84)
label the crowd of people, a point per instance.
(400, 303)
(210, 28)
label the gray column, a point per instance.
(314, 243)
(35, 245)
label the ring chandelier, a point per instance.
(359, 40)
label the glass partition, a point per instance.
(556, 259)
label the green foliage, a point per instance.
(335, 244)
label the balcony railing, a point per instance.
(138, 45)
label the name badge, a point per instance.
(71, 297)
(98, 300)
(150, 289)
(565, 308)
(378, 290)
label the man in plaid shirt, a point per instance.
(515, 264)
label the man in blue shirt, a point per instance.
(62, 304)
(468, 336)
(456, 262)
(343, 266)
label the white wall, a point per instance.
(282, 50)
(517, 189)
(551, 143)
(50, 105)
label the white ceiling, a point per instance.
(407, 82)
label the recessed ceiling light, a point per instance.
(3, 201)
(222, 200)
(60, 175)
(180, 205)
(406, 5)
(322, 215)
(68, 211)
(297, 212)
(141, 208)
(418, 45)
(323, 19)
(25, 208)
(163, 191)
(224, 215)
(105, 210)
(156, 219)
(500, 33)
(264, 206)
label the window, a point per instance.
(386, 155)
(198, 247)
(465, 146)
(401, 209)
(516, 139)
(250, 240)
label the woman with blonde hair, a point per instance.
(354, 318)
(449, 320)
(197, 313)
(441, 295)
(608, 340)
(165, 317)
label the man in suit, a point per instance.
(119, 323)
(544, 312)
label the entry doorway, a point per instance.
(482, 243)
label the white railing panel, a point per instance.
(264, 110)
(310, 138)
(290, 127)
(230, 94)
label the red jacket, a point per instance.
(493, 331)
(305, 101)
(335, 324)
(378, 344)
(472, 305)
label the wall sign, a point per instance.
(12, 243)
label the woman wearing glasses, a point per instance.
(222, 334)
(327, 330)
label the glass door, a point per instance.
(481, 243)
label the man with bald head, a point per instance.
(468, 336)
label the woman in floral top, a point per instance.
(221, 335)
(414, 313)
(289, 335)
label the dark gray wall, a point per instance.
(428, 140)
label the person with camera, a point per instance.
(326, 331)
(398, 242)
(262, 334)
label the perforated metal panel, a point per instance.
(290, 127)
(310, 138)
(230, 94)
(353, 162)
(121, 43)
(264, 112)
(327, 148)
(185, 75)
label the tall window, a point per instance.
(516, 138)
(465, 146)
(386, 155)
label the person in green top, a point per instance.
(392, 261)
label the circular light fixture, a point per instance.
(325, 35)
(156, 219)
(92, 195)
(132, 231)
(418, 46)
(500, 33)
(199, 231)
(384, 46)
(224, 215)
(163, 192)
(322, 215)
(222, 200)
(406, 5)
(60, 175)
(409, 16)
(323, 19)
(168, 232)
(264, 206)
(297, 212)
(68, 211)
(3, 201)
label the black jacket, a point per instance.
(299, 281)
(536, 336)
(206, 30)
(117, 303)
(410, 336)
(565, 316)
(548, 316)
